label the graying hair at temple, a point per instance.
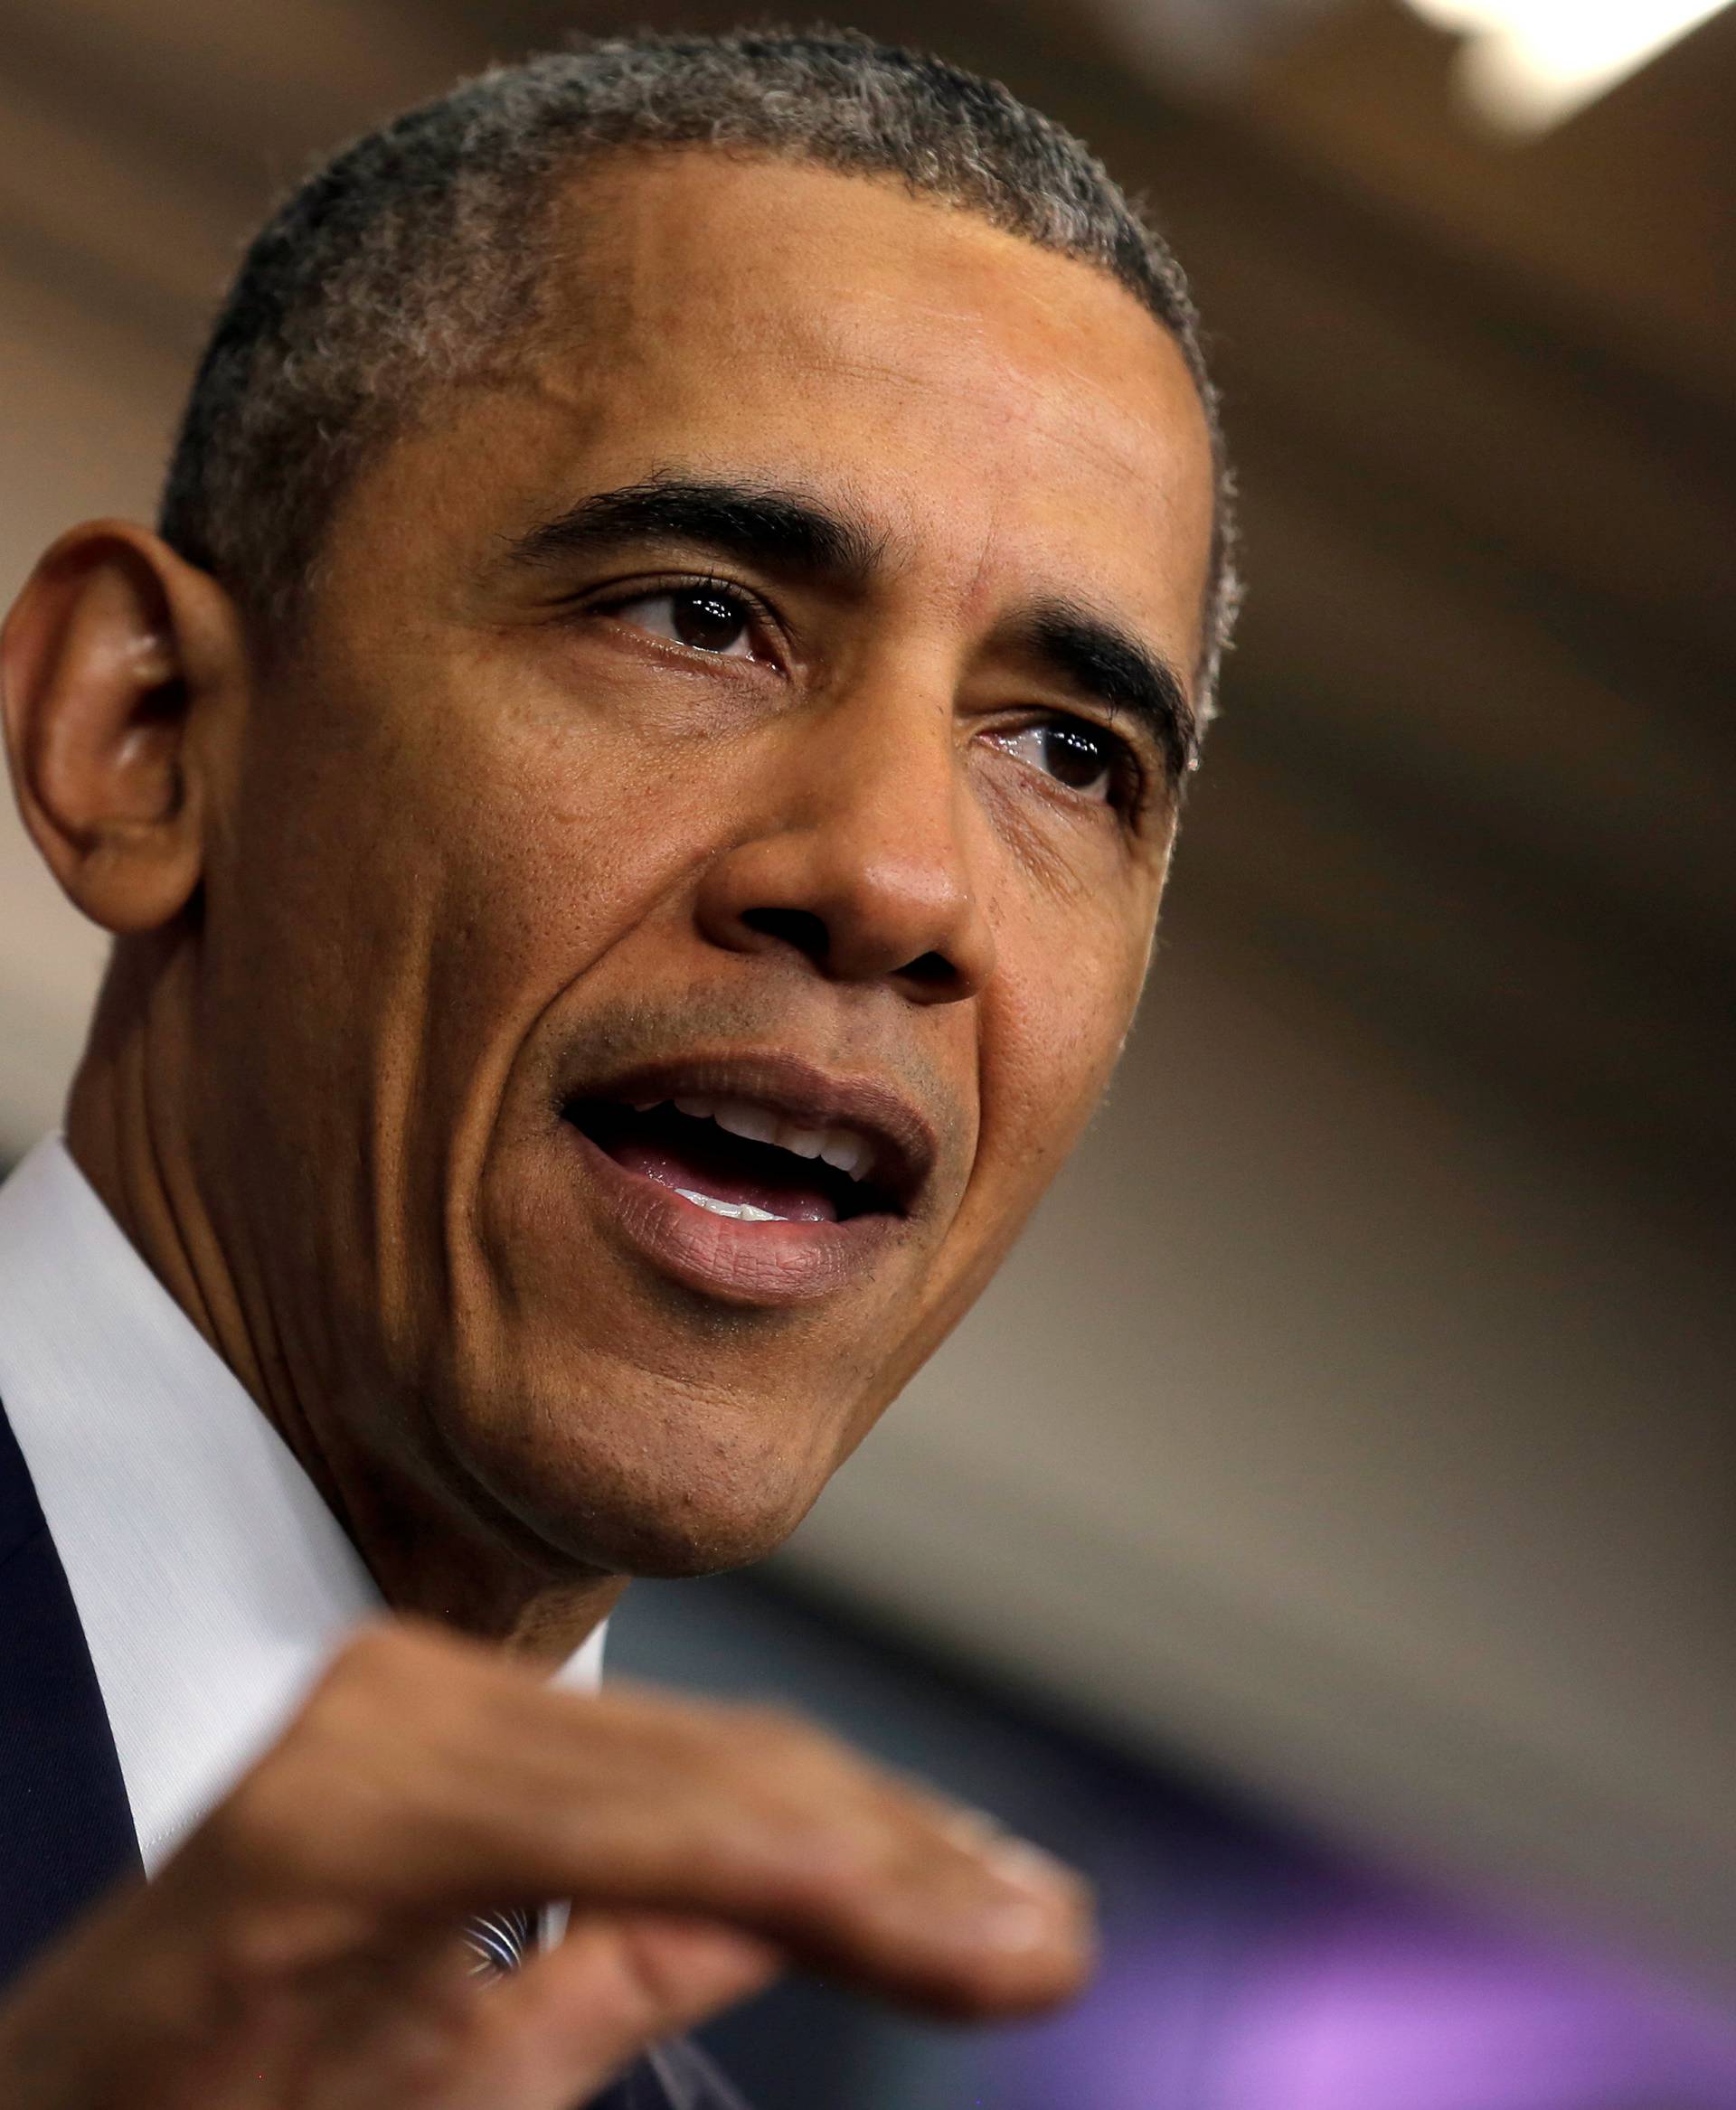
(415, 257)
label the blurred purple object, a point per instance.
(1381, 2013)
(1378, 2005)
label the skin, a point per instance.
(483, 826)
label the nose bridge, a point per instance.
(869, 856)
(891, 821)
(886, 781)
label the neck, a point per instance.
(128, 1132)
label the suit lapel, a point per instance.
(66, 1829)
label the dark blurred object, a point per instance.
(1244, 1969)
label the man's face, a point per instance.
(751, 719)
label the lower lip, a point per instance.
(775, 1263)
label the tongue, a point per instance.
(696, 1170)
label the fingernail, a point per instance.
(974, 1830)
(1012, 1925)
(1028, 1868)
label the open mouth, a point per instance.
(746, 1159)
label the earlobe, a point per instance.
(112, 662)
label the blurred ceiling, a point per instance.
(1402, 1494)
(1477, 764)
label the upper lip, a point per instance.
(903, 1139)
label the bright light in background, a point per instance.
(1531, 62)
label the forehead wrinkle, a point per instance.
(603, 359)
(617, 300)
(1053, 417)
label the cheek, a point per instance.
(476, 850)
(1049, 1028)
(559, 842)
(519, 828)
(1053, 1023)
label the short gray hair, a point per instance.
(416, 257)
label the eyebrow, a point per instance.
(754, 524)
(787, 530)
(1109, 666)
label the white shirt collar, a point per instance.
(211, 1581)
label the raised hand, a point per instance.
(304, 1949)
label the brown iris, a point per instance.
(707, 619)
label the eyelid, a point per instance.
(609, 600)
(1125, 759)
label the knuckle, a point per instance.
(782, 1742)
(805, 1861)
(286, 1821)
(373, 1654)
(259, 1835)
(378, 1685)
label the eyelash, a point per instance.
(1127, 772)
(1128, 776)
(755, 611)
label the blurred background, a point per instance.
(1323, 1530)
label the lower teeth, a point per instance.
(743, 1212)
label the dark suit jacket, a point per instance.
(66, 1827)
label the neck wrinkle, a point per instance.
(126, 1131)
(130, 1133)
(130, 1130)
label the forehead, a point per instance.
(1013, 420)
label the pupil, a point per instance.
(1075, 757)
(708, 621)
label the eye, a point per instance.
(1085, 758)
(703, 617)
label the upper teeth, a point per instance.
(841, 1147)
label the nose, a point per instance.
(862, 859)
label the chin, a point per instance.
(643, 1531)
(661, 1548)
(669, 1491)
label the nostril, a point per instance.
(799, 927)
(931, 970)
(933, 973)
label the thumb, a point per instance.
(563, 2026)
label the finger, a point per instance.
(389, 2022)
(849, 1879)
(643, 1805)
(619, 1983)
(423, 2030)
(560, 2029)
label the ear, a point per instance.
(116, 664)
